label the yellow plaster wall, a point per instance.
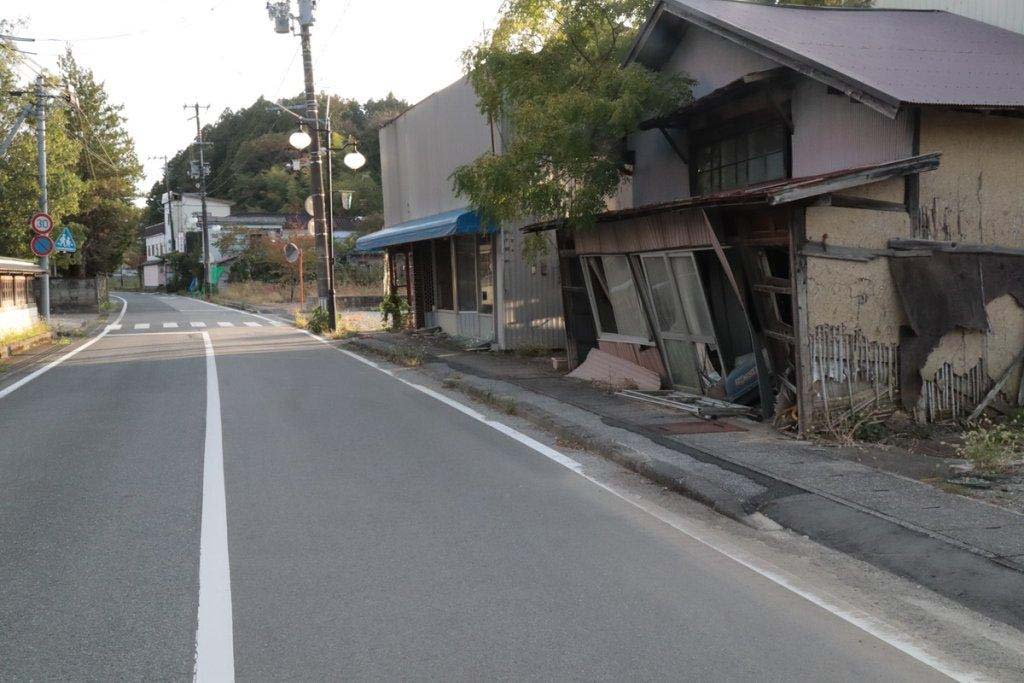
(856, 227)
(858, 295)
(977, 193)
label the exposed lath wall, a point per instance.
(850, 372)
(955, 395)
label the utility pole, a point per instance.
(202, 173)
(44, 199)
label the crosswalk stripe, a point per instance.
(142, 326)
(226, 324)
(195, 324)
(115, 328)
(253, 325)
(170, 326)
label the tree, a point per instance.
(107, 164)
(551, 74)
(19, 179)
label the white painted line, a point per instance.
(275, 323)
(857, 618)
(222, 324)
(197, 325)
(253, 325)
(142, 326)
(46, 368)
(215, 649)
(115, 328)
(170, 326)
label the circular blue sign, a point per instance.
(42, 245)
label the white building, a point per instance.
(183, 214)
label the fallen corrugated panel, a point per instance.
(619, 373)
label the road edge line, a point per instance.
(7, 391)
(215, 650)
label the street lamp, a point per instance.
(355, 160)
(346, 199)
(300, 140)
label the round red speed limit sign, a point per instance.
(42, 223)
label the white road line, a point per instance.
(222, 324)
(142, 326)
(253, 325)
(115, 328)
(170, 326)
(197, 325)
(46, 368)
(275, 323)
(857, 618)
(215, 650)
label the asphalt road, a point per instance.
(371, 532)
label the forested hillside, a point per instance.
(249, 148)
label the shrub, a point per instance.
(319, 321)
(991, 447)
(396, 309)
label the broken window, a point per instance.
(614, 298)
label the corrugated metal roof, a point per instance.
(773, 193)
(458, 222)
(885, 57)
(17, 265)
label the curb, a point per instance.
(25, 344)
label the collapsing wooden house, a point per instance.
(836, 216)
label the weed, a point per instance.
(300, 320)
(22, 335)
(992, 447)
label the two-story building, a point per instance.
(469, 279)
(839, 207)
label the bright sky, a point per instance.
(156, 55)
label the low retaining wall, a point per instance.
(359, 303)
(78, 295)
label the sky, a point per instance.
(157, 55)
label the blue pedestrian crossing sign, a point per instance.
(65, 243)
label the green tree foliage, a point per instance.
(108, 166)
(551, 74)
(19, 184)
(249, 148)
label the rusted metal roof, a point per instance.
(885, 58)
(21, 266)
(773, 193)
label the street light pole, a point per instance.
(325, 278)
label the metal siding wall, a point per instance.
(422, 148)
(531, 304)
(1008, 14)
(660, 175)
(832, 132)
(678, 230)
(713, 61)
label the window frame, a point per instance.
(740, 127)
(616, 336)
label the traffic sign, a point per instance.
(65, 243)
(42, 246)
(291, 252)
(42, 223)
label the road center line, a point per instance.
(215, 650)
(857, 618)
(46, 368)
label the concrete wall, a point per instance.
(78, 295)
(422, 148)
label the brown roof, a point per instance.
(774, 193)
(885, 58)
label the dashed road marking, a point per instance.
(142, 326)
(170, 326)
(223, 324)
(115, 328)
(253, 325)
(197, 324)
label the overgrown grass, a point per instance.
(994, 447)
(255, 293)
(22, 335)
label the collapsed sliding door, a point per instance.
(685, 332)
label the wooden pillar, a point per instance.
(801, 325)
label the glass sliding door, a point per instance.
(683, 320)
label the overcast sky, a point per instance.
(156, 55)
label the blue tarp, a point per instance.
(458, 222)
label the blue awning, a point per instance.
(458, 222)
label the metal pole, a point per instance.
(44, 199)
(323, 270)
(207, 271)
(302, 283)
